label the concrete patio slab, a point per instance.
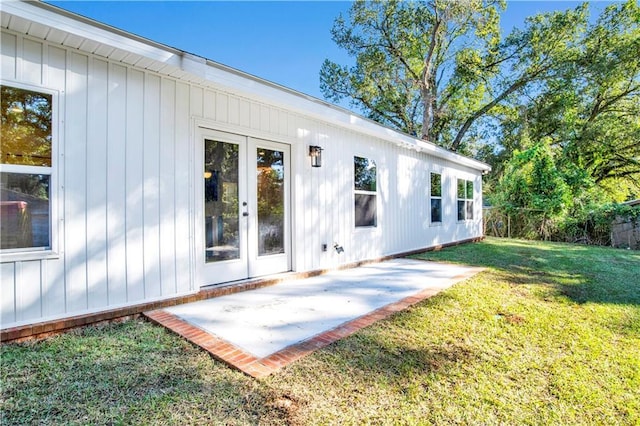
(260, 331)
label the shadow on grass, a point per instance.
(580, 273)
(130, 373)
(372, 359)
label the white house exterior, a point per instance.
(164, 172)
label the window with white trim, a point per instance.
(465, 199)
(436, 198)
(365, 192)
(25, 169)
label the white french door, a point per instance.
(242, 211)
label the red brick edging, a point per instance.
(262, 367)
(45, 329)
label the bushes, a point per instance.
(586, 227)
(543, 195)
(594, 226)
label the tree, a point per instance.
(435, 68)
(572, 142)
(589, 107)
(532, 181)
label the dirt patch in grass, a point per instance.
(510, 318)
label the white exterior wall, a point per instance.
(124, 177)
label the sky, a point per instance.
(284, 42)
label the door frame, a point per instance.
(249, 264)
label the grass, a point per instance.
(548, 334)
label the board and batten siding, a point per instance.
(126, 175)
(123, 172)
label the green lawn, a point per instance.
(548, 334)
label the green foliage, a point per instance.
(438, 69)
(420, 67)
(594, 226)
(541, 202)
(532, 182)
(589, 108)
(542, 198)
(588, 113)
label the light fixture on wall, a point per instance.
(315, 152)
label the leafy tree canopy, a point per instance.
(442, 71)
(434, 68)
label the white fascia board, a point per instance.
(52, 16)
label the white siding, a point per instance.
(32, 61)
(182, 210)
(134, 191)
(123, 193)
(96, 181)
(126, 175)
(75, 184)
(8, 55)
(7, 293)
(116, 185)
(167, 199)
(151, 186)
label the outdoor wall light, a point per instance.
(315, 152)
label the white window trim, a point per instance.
(51, 252)
(361, 192)
(465, 199)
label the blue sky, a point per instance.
(281, 41)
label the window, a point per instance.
(465, 199)
(436, 198)
(364, 178)
(25, 169)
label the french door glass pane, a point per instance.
(222, 233)
(270, 181)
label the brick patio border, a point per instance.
(45, 329)
(262, 367)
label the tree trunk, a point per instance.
(427, 83)
(427, 114)
(479, 113)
